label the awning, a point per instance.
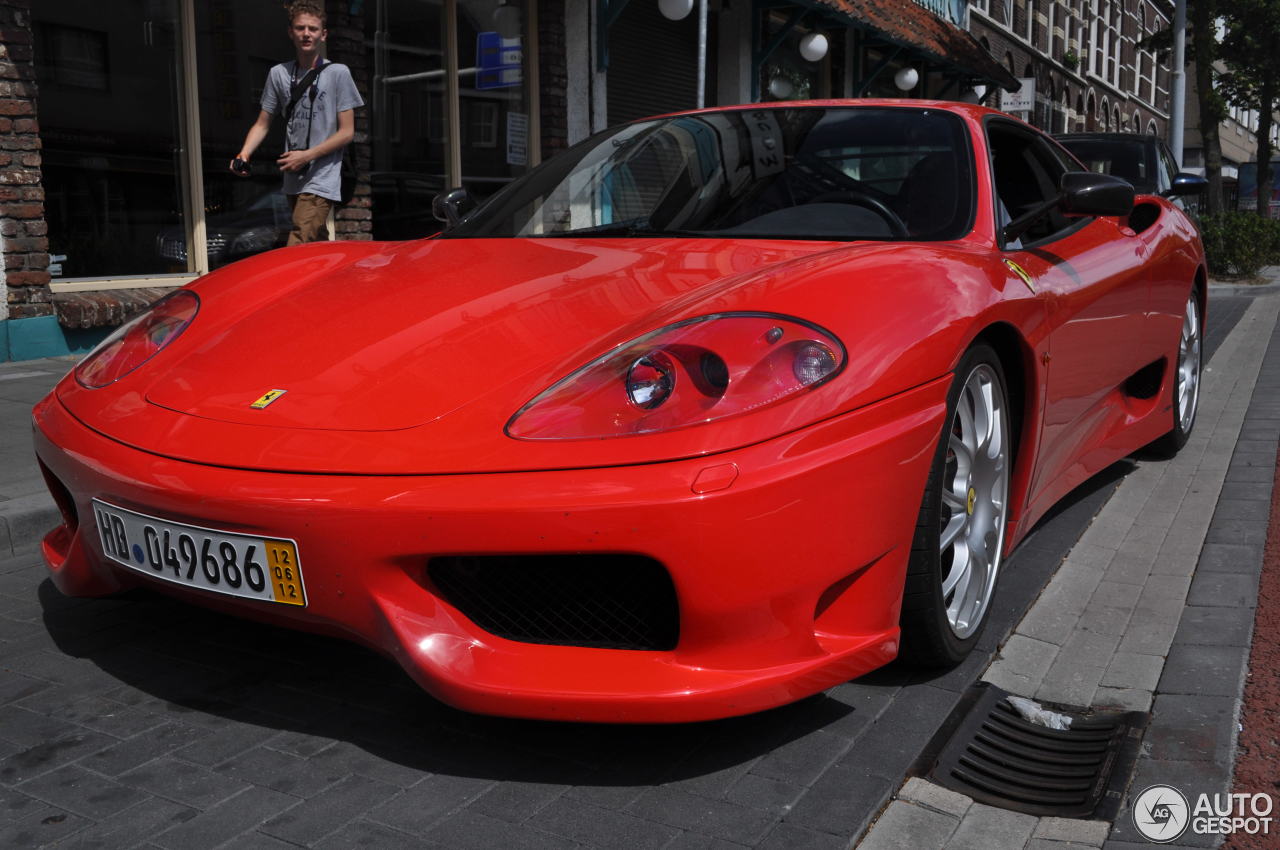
(907, 24)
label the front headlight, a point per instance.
(689, 373)
(138, 340)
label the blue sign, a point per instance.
(498, 61)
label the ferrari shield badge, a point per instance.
(1022, 273)
(267, 397)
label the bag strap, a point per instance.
(295, 93)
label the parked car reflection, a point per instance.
(235, 234)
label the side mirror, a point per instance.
(1186, 184)
(1087, 193)
(452, 206)
(1079, 193)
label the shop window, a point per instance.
(482, 128)
(433, 117)
(109, 124)
(74, 57)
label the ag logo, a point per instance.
(1161, 813)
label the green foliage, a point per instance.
(1239, 243)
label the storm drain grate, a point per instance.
(987, 751)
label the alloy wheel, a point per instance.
(1188, 390)
(974, 493)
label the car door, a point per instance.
(1090, 274)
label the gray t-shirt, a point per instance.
(334, 92)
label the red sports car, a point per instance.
(707, 414)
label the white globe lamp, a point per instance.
(781, 88)
(813, 47)
(675, 10)
(906, 79)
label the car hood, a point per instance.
(412, 357)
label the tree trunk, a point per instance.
(1202, 14)
(1266, 102)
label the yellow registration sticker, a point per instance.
(286, 581)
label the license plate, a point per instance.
(264, 568)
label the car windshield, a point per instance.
(1133, 159)
(788, 173)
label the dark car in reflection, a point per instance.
(401, 207)
(236, 234)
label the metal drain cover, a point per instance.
(985, 750)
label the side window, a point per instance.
(1027, 175)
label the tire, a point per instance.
(1184, 385)
(959, 537)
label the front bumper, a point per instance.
(787, 558)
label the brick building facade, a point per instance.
(1085, 57)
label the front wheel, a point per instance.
(1185, 385)
(959, 538)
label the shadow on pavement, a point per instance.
(211, 671)
(203, 668)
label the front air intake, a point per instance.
(603, 601)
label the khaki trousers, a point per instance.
(310, 218)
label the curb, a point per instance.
(25, 520)
(1226, 288)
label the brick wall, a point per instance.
(23, 231)
(346, 45)
(553, 76)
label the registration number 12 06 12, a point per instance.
(223, 562)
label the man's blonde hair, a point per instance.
(305, 7)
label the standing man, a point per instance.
(317, 99)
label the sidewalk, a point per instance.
(26, 509)
(1152, 610)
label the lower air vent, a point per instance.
(988, 752)
(61, 497)
(604, 601)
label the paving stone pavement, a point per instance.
(1144, 614)
(138, 721)
(26, 510)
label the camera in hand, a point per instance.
(239, 166)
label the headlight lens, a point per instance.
(689, 373)
(138, 340)
(650, 380)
